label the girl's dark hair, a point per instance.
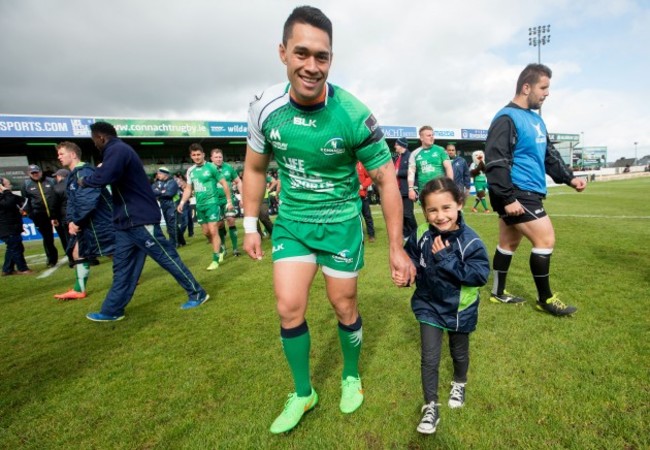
(441, 185)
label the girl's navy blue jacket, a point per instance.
(447, 283)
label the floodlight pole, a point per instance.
(635, 156)
(538, 36)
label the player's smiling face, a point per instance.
(441, 211)
(308, 57)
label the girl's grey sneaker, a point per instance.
(457, 395)
(430, 418)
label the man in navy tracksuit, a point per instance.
(402, 169)
(136, 217)
(165, 189)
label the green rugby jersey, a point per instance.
(205, 179)
(229, 174)
(428, 164)
(316, 149)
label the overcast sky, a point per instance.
(415, 62)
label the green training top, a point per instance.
(205, 179)
(316, 149)
(229, 174)
(428, 164)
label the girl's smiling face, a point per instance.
(441, 210)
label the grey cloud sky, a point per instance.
(450, 65)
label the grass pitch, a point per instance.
(215, 377)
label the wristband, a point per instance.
(250, 225)
(411, 188)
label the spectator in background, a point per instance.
(461, 170)
(60, 205)
(364, 183)
(402, 169)
(185, 218)
(272, 187)
(11, 229)
(166, 191)
(39, 191)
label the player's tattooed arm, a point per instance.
(379, 174)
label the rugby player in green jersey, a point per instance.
(427, 162)
(317, 133)
(232, 177)
(203, 179)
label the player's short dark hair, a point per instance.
(424, 127)
(216, 150)
(441, 185)
(196, 147)
(531, 75)
(307, 15)
(103, 128)
(70, 146)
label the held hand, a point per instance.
(579, 184)
(412, 195)
(55, 223)
(229, 206)
(514, 209)
(402, 268)
(438, 245)
(253, 245)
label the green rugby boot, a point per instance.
(294, 409)
(351, 395)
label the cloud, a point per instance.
(451, 65)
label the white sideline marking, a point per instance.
(580, 216)
(51, 270)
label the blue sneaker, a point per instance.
(194, 303)
(99, 317)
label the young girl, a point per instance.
(452, 264)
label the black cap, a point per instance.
(402, 142)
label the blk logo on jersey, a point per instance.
(304, 122)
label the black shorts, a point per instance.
(530, 201)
